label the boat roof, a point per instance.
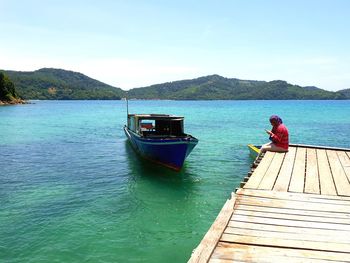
(156, 116)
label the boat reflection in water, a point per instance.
(160, 138)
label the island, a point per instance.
(60, 84)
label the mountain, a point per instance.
(345, 92)
(49, 83)
(59, 84)
(217, 87)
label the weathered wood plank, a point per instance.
(260, 171)
(326, 179)
(286, 235)
(345, 161)
(295, 196)
(293, 204)
(215, 260)
(282, 210)
(312, 184)
(341, 181)
(211, 238)
(311, 218)
(287, 222)
(282, 242)
(285, 173)
(234, 251)
(289, 229)
(270, 177)
(298, 175)
(272, 259)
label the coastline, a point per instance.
(12, 102)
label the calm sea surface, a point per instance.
(73, 190)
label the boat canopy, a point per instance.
(149, 125)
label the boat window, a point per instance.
(147, 125)
(131, 123)
(169, 127)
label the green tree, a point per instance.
(7, 88)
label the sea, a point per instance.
(73, 190)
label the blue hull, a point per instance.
(170, 152)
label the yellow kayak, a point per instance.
(254, 150)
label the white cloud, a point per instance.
(322, 72)
(127, 73)
(123, 73)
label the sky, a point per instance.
(136, 43)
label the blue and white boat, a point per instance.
(160, 138)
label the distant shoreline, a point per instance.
(12, 102)
(30, 100)
(58, 84)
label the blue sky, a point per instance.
(137, 43)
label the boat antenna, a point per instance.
(127, 105)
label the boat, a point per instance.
(160, 138)
(254, 150)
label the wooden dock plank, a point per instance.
(298, 175)
(312, 184)
(293, 204)
(311, 218)
(282, 210)
(327, 185)
(271, 196)
(285, 173)
(345, 161)
(270, 177)
(271, 259)
(289, 229)
(287, 235)
(288, 222)
(295, 196)
(260, 171)
(242, 252)
(288, 243)
(341, 181)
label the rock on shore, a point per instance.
(12, 102)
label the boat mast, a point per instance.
(127, 106)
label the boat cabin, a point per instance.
(156, 125)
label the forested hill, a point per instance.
(49, 83)
(216, 87)
(8, 93)
(59, 84)
(345, 92)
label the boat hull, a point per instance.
(170, 152)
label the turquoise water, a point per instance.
(72, 189)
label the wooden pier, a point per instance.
(294, 207)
